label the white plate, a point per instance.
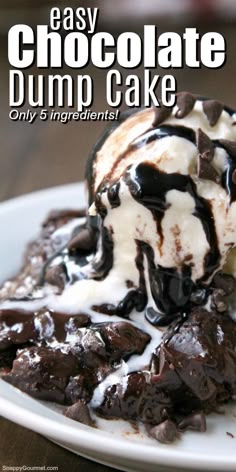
(214, 450)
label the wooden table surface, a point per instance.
(47, 154)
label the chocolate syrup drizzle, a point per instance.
(162, 132)
(149, 187)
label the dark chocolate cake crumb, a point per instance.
(218, 300)
(212, 110)
(185, 104)
(225, 282)
(161, 114)
(123, 339)
(43, 372)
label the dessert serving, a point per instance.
(127, 309)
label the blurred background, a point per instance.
(51, 153)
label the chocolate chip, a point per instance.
(218, 300)
(161, 114)
(229, 146)
(129, 283)
(225, 282)
(206, 170)
(56, 276)
(79, 412)
(234, 177)
(205, 145)
(194, 422)
(212, 110)
(83, 241)
(199, 296)
(165, 432)
(185, 104)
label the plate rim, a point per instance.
(71, 187)
(73, 431)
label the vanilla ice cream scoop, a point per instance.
(163, 186)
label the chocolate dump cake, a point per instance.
(126, 310)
